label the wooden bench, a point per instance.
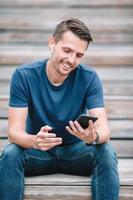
(24, 29)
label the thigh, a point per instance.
(81, 159)
(40, 162)
(77, 159)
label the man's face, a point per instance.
(67, 53)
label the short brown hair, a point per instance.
(75, 26)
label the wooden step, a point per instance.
(57, 3)
(122, 73)
(120, 129)
(110, 87)
(97, 25)
(118, 83)
(122, 103)
(65, 187)
(123, 148)
(94, 56)
(68, 193)
(102, 11)
(77, 187)
(41, 37)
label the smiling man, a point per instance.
(46, 98)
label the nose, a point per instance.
(71, 59)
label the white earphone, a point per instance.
(52, 48)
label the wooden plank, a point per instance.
(68, 2)
(122, 73)
(118, 88)
(110, 87)
(4, 88)
(118, 83)
(57, 193)
(41, 37)
(118, 25)
(115, 38)
(6, 73)
(3, 128)
(95, 56)
(69, 193)
(113, 74)
(123, 148)
(122, 103)
(116, 12)
(119, 107)
(120, 129)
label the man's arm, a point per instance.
(88, 135)
(102, 127)
(16, 128)
(16, 132)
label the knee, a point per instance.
(12, 153)
(106, 155)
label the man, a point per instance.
(46, 97)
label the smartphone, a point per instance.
(84, 119)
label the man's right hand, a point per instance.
(45, 140)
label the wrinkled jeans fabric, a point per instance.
(99, 161)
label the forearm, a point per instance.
(104, 135)
(22, 138)
(101, 126)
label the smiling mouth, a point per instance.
(66, 66)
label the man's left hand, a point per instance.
(88, 135)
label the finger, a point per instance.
(43, 140)
(46, 128)
(91, 125)
(51, 140)
(48, 145)
(47, 135)
(95, 126)
(72, 132)
(80, 129)
(82, 133)
(69, 130)
(72, 126)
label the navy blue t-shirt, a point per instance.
(54, 105)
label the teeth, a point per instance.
(66, 66)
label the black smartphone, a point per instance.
(84, 119)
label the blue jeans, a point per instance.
(77, 159)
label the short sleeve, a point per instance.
(94, 95)
(18, 93)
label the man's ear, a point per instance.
(51, 43)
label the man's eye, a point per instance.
(66, 50)
(79, 55)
